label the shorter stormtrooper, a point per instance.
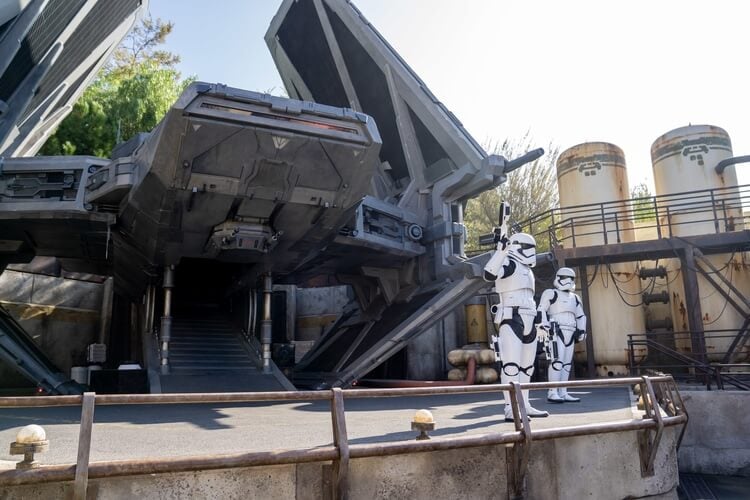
(562, 316)
(516, 314)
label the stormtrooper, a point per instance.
(516, 313)
(562, 316)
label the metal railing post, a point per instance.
(713, 209)
(617, 229)
(656, 216)
(517, 456)
(80, 484)
(604, 224)
(341, 442)
(573, 232)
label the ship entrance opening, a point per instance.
(205, 288)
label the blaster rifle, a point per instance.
(501, 230)
(550, 343)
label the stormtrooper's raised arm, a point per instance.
(499, 263)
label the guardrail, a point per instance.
(663, 408)
(714, 210)
(666, 355)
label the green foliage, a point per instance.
(643, 203)
(131, 94)
(530, 190)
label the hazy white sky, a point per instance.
(569, 71)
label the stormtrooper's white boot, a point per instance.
(530, 410)
(567, 397)
(553, 396)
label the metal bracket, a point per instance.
(648, 444)
(517, 456)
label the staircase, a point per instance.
(209, 354)
(208, 344)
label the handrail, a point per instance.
(255, 397)
(711, 370)
(723, 207)
(339, 454)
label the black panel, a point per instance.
(432, 151)
(302, 38)
(46, 29)
(372, 91)
(103, 19)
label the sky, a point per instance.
(566, 71)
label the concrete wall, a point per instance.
(603, 466)
(717, 439)
(61, 315)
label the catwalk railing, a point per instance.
(663, 407)
(728, 364)
(693, 212)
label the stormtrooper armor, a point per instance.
(515, 345)
(562, 315)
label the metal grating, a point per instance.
(47, 28)
(103, 19)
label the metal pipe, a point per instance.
(165, 334)
(266, 324)
(723, 164)
(117, 468)
(249, 397)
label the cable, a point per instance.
(628, 281)
(621, 296)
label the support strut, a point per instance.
(166, 320)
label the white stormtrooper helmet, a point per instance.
(522, 248)
(565, 279)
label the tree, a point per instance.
(131, 94)
(530, 190)
(643, 203)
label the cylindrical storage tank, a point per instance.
(476, 320)
(684, 161)
(593, 173)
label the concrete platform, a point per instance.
(123, 432)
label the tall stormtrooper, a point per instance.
(516, 314)
(562, 316)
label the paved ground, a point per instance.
(122, 432)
